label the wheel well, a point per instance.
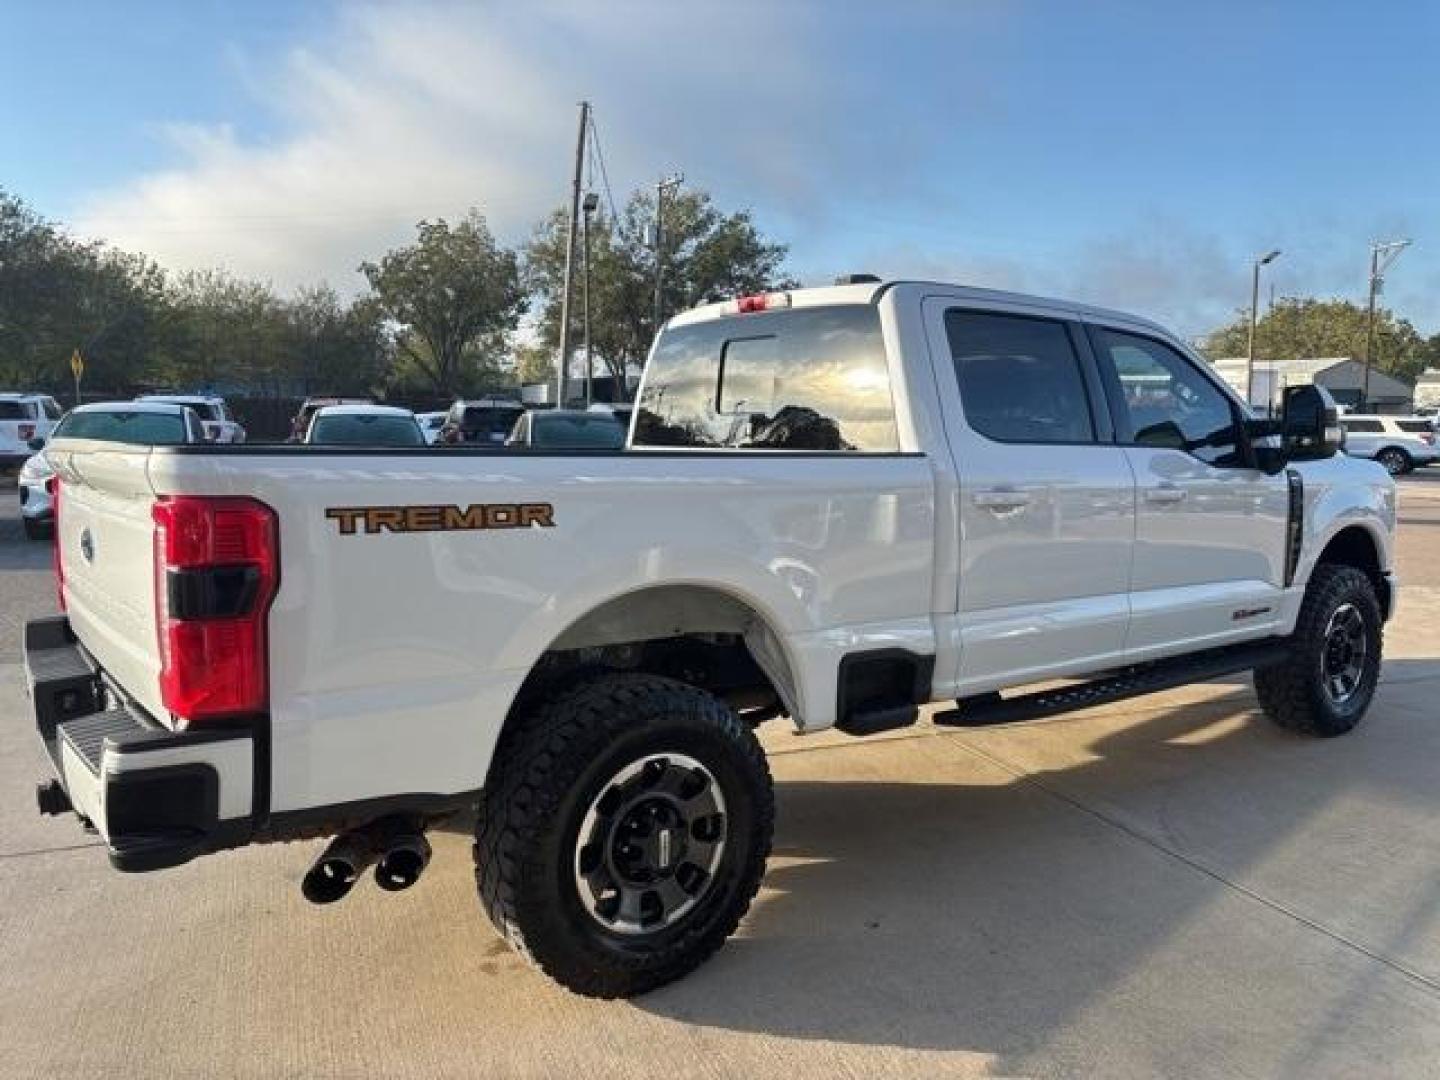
(1354, 546)
(697, 634)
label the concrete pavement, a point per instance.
(1165, 887)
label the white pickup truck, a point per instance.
(836, 504)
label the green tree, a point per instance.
(59, 294)
(534, 363)
(219, 327)
(1430, 352)
(1298, 327)
(708, 255)
(454, 295)
(332, 348)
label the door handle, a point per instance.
(1000, 499)
(1165, 494)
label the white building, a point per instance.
(1343, 376)
(1427, 391)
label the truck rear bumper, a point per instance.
(158, 797)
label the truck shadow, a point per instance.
(992, 916)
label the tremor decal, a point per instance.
(440, 518)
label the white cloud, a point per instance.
(398, 113)
(414, 112)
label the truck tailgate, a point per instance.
(104, 538)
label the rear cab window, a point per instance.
(14, 410)
(490, 419)
(813, 379)
(366, 429)
(135, 428)
(597, 430)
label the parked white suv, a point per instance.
(220, 426)
(835, 504)
(139, 423)
(1400, 443)
(24, 418)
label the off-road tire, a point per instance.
(1395, 461)
(548, 768)
(1292, 692)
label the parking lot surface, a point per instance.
(1169, 886)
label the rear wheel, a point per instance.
(1396, 461)
(623, 833)
(1326, 684)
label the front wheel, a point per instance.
(1396, 461)
(1326, 684)
(623, 833)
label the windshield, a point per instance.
(366, 429)
(585, 430)
(135, 428)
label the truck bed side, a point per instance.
(397, 645)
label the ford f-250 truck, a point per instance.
(836, 504)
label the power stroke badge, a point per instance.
(375, 519)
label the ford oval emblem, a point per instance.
(87, 545)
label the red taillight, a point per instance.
(53, 487)
(1427, 438)
(26, 431)
(216, 570)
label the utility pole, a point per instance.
(1268, 257)
(592, 201)
(570, 256)
(1383, 254)
(669, 183)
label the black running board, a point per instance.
(987, 709)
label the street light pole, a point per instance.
(1383, 254)
(1254, 319)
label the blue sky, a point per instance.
(1132, 154)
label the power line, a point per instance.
(604, 175)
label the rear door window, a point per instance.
(1366, 427)
(1020, 378)
(806, 379)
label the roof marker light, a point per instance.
(749, 305)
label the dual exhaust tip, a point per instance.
(397, 847)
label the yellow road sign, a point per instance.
(77, 364)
